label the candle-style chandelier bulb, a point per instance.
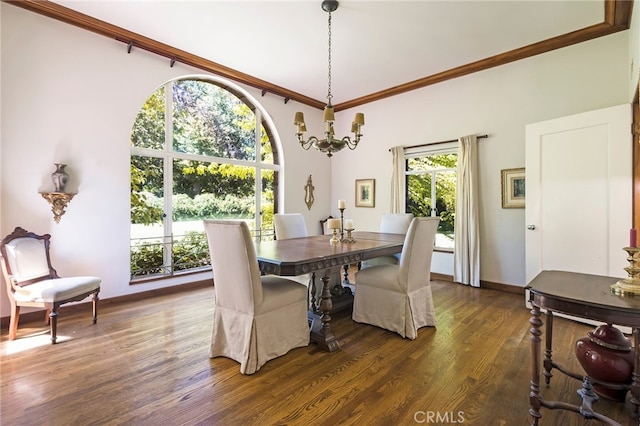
(329, 144)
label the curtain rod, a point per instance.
(441, 142)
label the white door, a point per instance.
(578, 193)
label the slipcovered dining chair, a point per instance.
(256, 318)
(398, 297)
(32, 282)
(391, 223)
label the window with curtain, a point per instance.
(199, 149)
(431, 187)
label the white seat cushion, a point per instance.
(57, 289)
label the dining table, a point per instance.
(298, 256)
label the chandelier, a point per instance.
(329, 144)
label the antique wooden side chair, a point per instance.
(32, 281)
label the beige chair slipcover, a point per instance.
(32, 281)
(256, 318)
(291, 225)
(391, 223)
(398, 297)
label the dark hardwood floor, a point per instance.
(146, 363)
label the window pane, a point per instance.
(148, 245)
(208, 120)
(266, 147)
(445, 207)
(268, 200)
(211, 190)
(419, 195)
(149, 126)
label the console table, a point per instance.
(585, 296)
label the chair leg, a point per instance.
(53, 319)
(95, 308)
(13, 322)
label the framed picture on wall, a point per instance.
(513, 188)
(365, 192)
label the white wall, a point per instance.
(634, 50)
(498, 102)
(71, 96)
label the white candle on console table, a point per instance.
(341, 204)
(348, 224)
(333, 224)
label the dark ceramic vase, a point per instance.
(60, 177)
(605, 354)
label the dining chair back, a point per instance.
(256, 318)
(289, 225)
(32, 281)
(390, 223)
(398, 297)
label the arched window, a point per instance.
(200, 148)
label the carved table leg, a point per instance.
(635, 383)
(534, 395)
(346, 274)
(548, 363)
(313, 307)
(324, 336)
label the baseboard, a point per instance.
(84, 306)
(483, 284)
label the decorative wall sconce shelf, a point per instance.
(58, 201)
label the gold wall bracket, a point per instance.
(58, 201)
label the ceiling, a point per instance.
(376, 45)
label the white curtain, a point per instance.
(398, 180)
(466, 253)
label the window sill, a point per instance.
(443, 250)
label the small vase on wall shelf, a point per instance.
(60, 177)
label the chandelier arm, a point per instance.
(308, 143)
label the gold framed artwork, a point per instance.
(513, 188)
(365, 192)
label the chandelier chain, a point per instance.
(329, 84)
(329, 144)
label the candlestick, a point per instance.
(334, 237)
(342, 222)
(629, 286)
(349, 239)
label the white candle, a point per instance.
(348, 224)
(333, 224)
(341, 204)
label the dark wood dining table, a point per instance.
(298, 256)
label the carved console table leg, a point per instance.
(588, 398)
(635, 383)
(324, 336)
(548, 338)
(534, 395)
